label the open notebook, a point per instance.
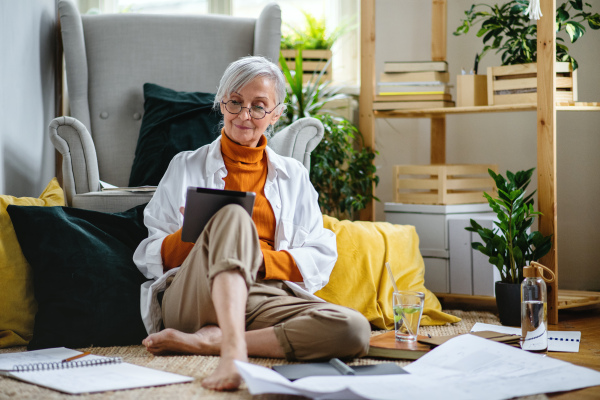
(85, 375)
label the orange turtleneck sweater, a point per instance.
(246, 171)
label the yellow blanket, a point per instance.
(360, 280)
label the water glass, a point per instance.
(408, 308)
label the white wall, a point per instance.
(403, 33)
(26, 95)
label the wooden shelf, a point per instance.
(577, 298)
(566, 299)
(433, 112)
(578, 106)
(546, 116)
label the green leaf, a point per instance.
(594, 21)
(562, 15)
(516, 9)
(518, 256)
(577, 4)
(575, 30)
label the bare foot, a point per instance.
(226, 376)
(206, 341)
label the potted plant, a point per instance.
(507, 29)
(510, 246)
(342, 175)
(315, 41)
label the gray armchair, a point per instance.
(109, 58)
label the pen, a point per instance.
(87, 353)
(476, 65)
(341, 367)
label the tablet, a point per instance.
(201, 204)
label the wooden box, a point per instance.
(517, 84)
(471, 90)
(443, 183)
(313, 61)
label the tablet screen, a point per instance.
(202, 203)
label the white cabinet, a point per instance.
(446, 252)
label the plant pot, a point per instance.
(508, 300)
(313, 61)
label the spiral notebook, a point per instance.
(85, 375)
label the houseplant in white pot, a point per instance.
(510, 246)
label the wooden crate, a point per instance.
(443, 184)
(517, 84)
(313, 61)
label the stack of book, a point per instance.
(413, 85)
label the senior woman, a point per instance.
(231, 293)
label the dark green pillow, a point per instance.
(85, 282)
(173, 122)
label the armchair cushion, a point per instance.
(85, 282)
(173, 122)
(360, 280)
(16, 282)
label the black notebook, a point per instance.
(297, 371)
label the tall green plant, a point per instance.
(506, 29)
(342, 175)
(510, 247)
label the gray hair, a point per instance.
(239, 73)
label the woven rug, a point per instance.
(201, 366)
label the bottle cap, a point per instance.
(537, 270)
(529, 272)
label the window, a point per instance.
(346, 51)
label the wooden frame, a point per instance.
(524, 76)
(313, 61)
(443, 183)
(546, 144)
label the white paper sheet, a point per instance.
(565, 341)
(466, 367)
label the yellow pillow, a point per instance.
(360, 280)
(16, 283)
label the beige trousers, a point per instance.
(306, 330)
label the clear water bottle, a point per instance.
(534, 317)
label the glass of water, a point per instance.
(408, 308)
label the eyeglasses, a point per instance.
(256, 112)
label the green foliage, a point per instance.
(507, 30)
(342, 175)
(306, 100)
(313, 36)
(509, 246)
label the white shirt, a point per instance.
(299, 222)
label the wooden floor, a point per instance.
(588, 322)
(583, 319)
